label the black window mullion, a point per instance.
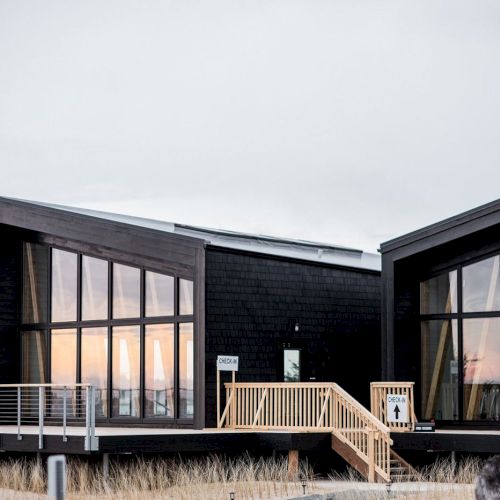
(460, 334)
(110, 340)
(142, 348)
(48, 332)
(176, 371)
(78, 318)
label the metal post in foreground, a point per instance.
(56, 469)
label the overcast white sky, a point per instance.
(346, 121)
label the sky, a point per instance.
(343, 121)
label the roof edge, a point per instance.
(441, 226)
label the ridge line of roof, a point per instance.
(440, 226)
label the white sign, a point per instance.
(227, 363)
(397, 408)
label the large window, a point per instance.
(460, 361)
(126, 330)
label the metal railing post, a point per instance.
(65, 438)
(41, 411)
(89, 418)
(19, 437)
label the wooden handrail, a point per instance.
(311, 406)
(378, 403)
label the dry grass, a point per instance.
(212, 477)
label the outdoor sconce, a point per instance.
(304, 484)
(296, 328)
(231, 495)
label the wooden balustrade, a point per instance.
(378, 399)
(311, 406)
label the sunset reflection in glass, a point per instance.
(94, 356)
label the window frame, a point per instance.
(142, 320)
(459, 316)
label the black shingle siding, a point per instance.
(252, 302)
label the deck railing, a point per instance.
(313, 406)
(42, 405)
(378, 403)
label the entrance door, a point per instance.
(291, 365)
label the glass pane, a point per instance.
(185, 297)
(62, 371)
(95, 365)
(34, 357)
(126, 291)
(64, 275)
(94, 288)
(159, 294)
(439, 294)
(35, 282)
(186, 372)
(291, 365)
(481, 285)
(439, 370)
(63, 356)
(159, 369)
(126, 362)
(481, 369)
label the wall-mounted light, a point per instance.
(304, 484)
(296, 328)
(231, 495)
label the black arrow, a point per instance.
(396, 411)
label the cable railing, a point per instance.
(46, 405)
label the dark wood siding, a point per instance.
(10, 279)
(253, 301)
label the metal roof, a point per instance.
(324, 253)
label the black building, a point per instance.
(141, 309)
(441, 317)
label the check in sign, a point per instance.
(397, 408)
(227, 363)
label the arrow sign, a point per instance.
(397, 408)
(396, 411)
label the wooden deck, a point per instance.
(153, 440)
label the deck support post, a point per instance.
(293, 465)
(105, 466)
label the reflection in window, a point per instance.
(94, 288)
(291, 365)
(35, 266)
(159, 371)
(481, 368)
(63, 370)
(126, 379)
(64, 279)
(440, 369)
(159, 294)
(439, 294)
(63, 356)
(126, 291)
(34, 357)
(94, 355)
(481, 285)
(185, 297)
(186, 370)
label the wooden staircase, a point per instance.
(357, 435)
(400, 469)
